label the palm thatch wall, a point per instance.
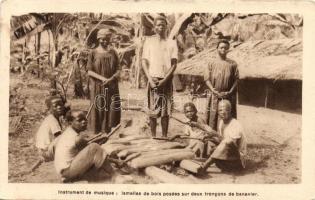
(270, 72)
(270, 59)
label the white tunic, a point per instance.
(234, 130)
(66, 149)
(45, 134)
(159, 52)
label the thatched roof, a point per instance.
(270, 59)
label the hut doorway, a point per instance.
(285, 95)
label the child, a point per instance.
(198, 131)
(50, 128)
(74, 157)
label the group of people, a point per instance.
(220, 138)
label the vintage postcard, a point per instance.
(157, 100)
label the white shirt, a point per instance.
(235, 131)
(159, 53)
(45, 134)
(66, 149)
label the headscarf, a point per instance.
(103, 33)
(160, 18)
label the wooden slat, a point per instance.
(158, 159)
(164, 177)
(190, 166)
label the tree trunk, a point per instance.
(78, 86)
(23, 57)
(39, 72)
(53, 83)
(49, 54)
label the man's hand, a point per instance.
(224, 94)
(105, 82)
(216, 93)
(206, 138)
(154, 82)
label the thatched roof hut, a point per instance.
(269, 59)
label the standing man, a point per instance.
(221, 77)
(159, 60)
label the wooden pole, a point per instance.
(164, 177)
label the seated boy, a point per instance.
(202, 138)
(74, 157)
(50, 128)
(230, 153)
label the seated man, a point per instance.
(202, 138)
(50, 128)
(230, 153)
(74, 157)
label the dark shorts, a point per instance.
(160, 99)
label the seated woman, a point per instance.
(230, 153)
(202, 137)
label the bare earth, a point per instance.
(274, 143)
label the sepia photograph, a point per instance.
(155, 98)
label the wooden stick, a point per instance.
(164, 177)
(200, 128)
(103, 135)
(132, 156)
(144, 110)
(37, 164)
(97, 76)
(154, 153)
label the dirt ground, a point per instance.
(274, 142)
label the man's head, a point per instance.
(56, 105)
(77, 119)
(190, 110)
(223, 48)
(160, 25)
(224, 110)
(103, 37)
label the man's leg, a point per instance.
(206, 164)
(164, 124)
(91, 155)
(153, 126)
